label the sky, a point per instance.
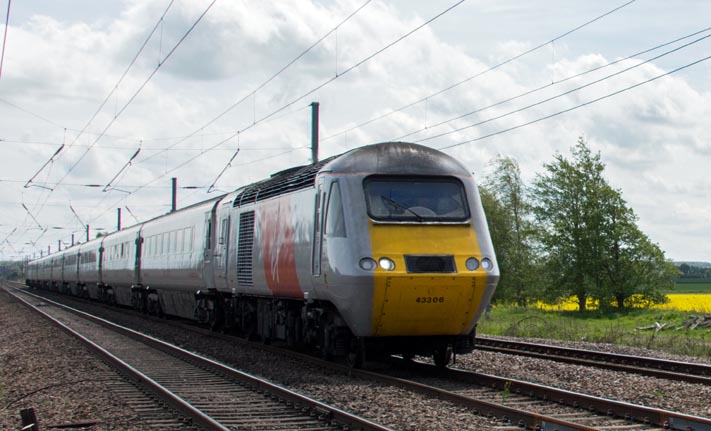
(217, 94)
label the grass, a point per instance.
(692, 288)
(593, 326)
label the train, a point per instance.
(381, 250)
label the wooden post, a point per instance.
(29, 420)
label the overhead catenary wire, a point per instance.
(229, 164)
(136, 93)
(26, 111)
(140, 88)
(4, 38)
(573, 108)
(51, 160)
(110, 207)
(143, 148)
(477, 75)
(157, 187)
(318, 87)
(367, 58)
(115, 87)
(552, 84)
(267, 81)
(98, 186)
(127, 138)
(565, 93)
(284, 107)
(123, 168)
(33, 217)
(272, 114)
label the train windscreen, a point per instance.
(416, 199)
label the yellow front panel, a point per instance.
(425, 304)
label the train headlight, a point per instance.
(367, 264)
(472, 264)
(487, 264)
(386, 264)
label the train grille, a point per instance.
(430, 263)
(244, 248)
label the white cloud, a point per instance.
(654, 139)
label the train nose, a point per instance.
(420, 304)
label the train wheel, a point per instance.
(442, 355)
(356, 353)
(217, 319)
(326, 342)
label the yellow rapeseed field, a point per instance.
(697, 302)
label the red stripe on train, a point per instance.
(275, 220)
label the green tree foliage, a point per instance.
(590, 237)
(636, 271)
(10, 270)
(567, 197)
(691, 271)
(508, 213)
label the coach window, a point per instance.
(188, 239)
(208, 237)
(335, 223)
(179, 241)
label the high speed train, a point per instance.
(383, 249)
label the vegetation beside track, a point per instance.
(615, 327)
(688, 287)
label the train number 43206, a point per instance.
(429, 299)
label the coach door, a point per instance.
(318, 228)
(137, 268)
(222, 251)
(208, 258)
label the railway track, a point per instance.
(654, 367)
(511, 404)
(536, 406)
(209, 395)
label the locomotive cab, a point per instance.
(410, 266)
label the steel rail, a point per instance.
(633, 412)
(309, 405)
(662, 368)
(528, 420)
(196, 416)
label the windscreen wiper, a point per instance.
(397, 204)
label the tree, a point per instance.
(636, 270)
(569, 213)
(508, 214)
(593, 246)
